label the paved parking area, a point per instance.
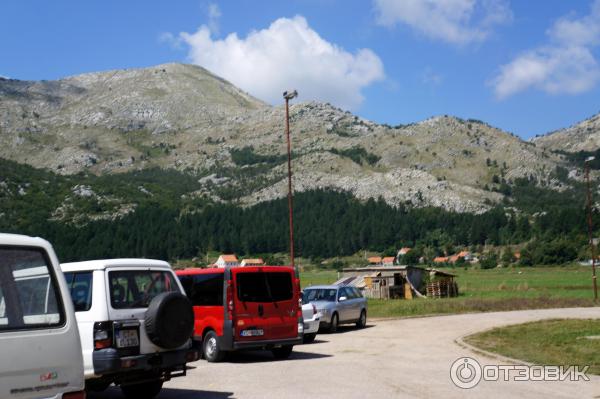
(409, 358)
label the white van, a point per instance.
(39, 340)
(135, 324)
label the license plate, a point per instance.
(252, 333)
(127, 338)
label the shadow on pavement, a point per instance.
(266, 356)
(346, 329)
(166, 393)
(317, 341)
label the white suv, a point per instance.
(134, 321)
(40, 355)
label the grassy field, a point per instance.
(489, 290)
(548, 342)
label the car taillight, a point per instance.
(229, 299)
(299, 310)
(74, 395)
(102, 335)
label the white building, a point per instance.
(227, 260)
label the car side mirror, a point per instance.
(342, 298)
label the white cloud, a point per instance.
(214, 14)
(565, 65)
(453, 21)
(288, 54)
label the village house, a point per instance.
(375, 260)
(252, 262)
(388, 261)
(403, 251)
(227, 260)
(466, 255)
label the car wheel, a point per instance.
(210, 348)
(362, 321)
(335, 321)
(169, 320)
(308, 338)
(282, 353)
(146, 390)
(96, 385)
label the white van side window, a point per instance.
(29, 291)
(80, 286)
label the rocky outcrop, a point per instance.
(583, 136)
(184, 117)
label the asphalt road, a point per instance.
(409, 358)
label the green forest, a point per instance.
(548, 226)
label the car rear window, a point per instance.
(136, 288)
(319, 294)
(204, 289)
(80, 287)
(29, 293)
(264, 286)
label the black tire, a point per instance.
(335, 322)
(145, 390)
(282, 353)
(308, 338)
(96, 385)
(210, 348)
(362, 320)
(169, 320)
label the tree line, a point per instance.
(327, 224)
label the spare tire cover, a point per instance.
(169, 320)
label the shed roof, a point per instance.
(440, 273)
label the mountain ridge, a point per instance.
(183, 117)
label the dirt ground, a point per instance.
(408, 358)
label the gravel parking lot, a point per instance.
(409, 358)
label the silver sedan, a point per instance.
(337, 305)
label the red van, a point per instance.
(247, 307)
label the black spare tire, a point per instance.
(169, 320)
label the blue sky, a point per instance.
(528, 67)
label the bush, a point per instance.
(489, 262)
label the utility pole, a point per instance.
(288, 95)
(590, 229)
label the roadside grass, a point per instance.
(423, 307)
(318, 277)
(548, 342)
(513, 288)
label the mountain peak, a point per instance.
(179, 116)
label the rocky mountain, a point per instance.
(583, 136)
(183, 117)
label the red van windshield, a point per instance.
(264, 286)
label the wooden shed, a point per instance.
(399, 282)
